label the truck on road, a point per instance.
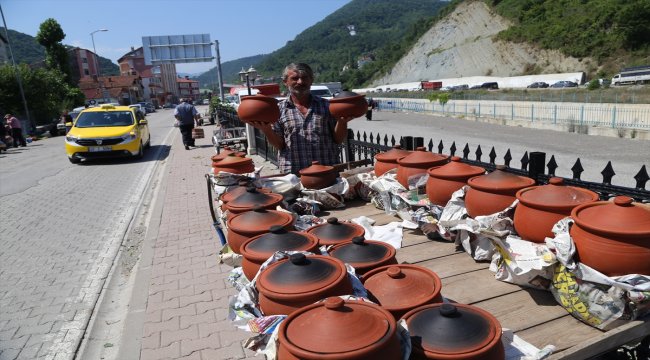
(632, 75)
(430, 85)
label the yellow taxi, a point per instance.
(107, 131)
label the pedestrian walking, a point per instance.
(16, 130)
(371, 106)
(186, 115)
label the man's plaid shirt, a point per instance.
(306, 138)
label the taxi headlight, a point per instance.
(71, 138)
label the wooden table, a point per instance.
(533, 315)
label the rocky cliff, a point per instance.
(463, 44)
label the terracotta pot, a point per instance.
(225, 152)
(250, 199)
(444, 180)
(234, 164)
(613, 237)
(388, 160)
(258, 108)
(348, 104)
(364, 255)
(334, 232)
(338, 329)
(317, 176)
(236, 191)
(401, 288)
(541, 207)
(454, 331)
(418, 162)
(258, 249)
(494, 192)
(290, 284)
(246, 225)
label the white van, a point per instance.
(242, 93)
(322, 91)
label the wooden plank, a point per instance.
(454, 264)
(524, 309)
(562, 333)
(475, 286)
(604, 342)
(424, 251)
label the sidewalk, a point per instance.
(187, 302)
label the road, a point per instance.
(627, 155)
(62, 228)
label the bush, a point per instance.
(593, 84)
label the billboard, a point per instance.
(177, 49)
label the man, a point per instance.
(306, 131)
(186, 115)
(16, 130)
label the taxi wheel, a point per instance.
(148, 144)
(74, 160)
(140, 154)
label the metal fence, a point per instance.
(607, 115)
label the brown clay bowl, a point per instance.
(348, 104)
(259, 108)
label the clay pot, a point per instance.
(234, 164)
(289, 284)
(250, 199)
(236, 191)
(364, 255)
(388, 160)
(348, 104)
(318, 176)
(225, 152)
(443, 181)
(454, 331)
(494, 192)
(401, 288)
(541, 207)
(258, 249)
(613, 237)
(258, 108)
(418, 162)
(246, 225)
(334, 232)
(339, 329)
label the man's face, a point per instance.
(297, 84)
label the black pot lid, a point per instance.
(301, 274)
(360, 251)
(335, 230)
(279, 239)
(253, 197)
(452, 328)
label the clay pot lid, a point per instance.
(258, 220)
(393, 154)
(300, 274)
(335, 230)
(555, 195)
(499, 179)
(422, 158)
(236, 191)
(619, 217)
(253, 197)
(361, 251)
(456, 170)
(402, 285)
(225, 152)
(316, 169)
(278, 239)
(453, 329)
(336, 327)
(345, 96)
(233, 160)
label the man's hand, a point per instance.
(345, 119)
(263, 126)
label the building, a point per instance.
(159, 81)
(83, 64)
(188, 89)
(123, 89)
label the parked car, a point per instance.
(148, 107)
(538, 85)
(474, 87)
(563, 84)
(459, 87)
(107, 131)
(490, 86)
(206, 101)
(60, 126)
(169, 106)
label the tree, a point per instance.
(50, 36)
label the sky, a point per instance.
(242, 27)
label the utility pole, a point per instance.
(13, 62)
(219, 77)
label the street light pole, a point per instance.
(246, 74)
(97, 71)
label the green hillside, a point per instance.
(27, 50)
(229, 71)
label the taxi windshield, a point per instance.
(104, 119)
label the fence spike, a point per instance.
(452, 149)
(577, 169)
(365, 137)
(493, 155)
(608, 173)
(552, 166)
(358, 136)
(466, 151)
(641, 178)
(478, 153)
(392, 140)
(372, 138)
(378, 139)
(524, 161)
(507, 158)
(441, 147)
(386, 140)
